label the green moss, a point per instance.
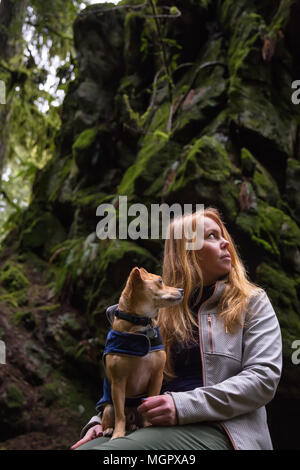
(49, 308)
(282, 291)
(83, 146)
(154, 157)
(42, 230)
(207, 171)
(84, 140)
(12, 276)
(61, 174)
(75, 256)
(51, 392)
(282, 15)
(270, 228)
(116, 259)
(264, 184)
(207, 159)
(251, 107)
(69, 322)
(243, 41)
(14, 397)
(204, 92)
(255, 101)
(90, 197)
(39, 358)
(26, 317)
(75, 397)
(16, 298)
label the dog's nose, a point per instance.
(181, 291)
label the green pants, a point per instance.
(196, 436)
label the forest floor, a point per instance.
(46, 396)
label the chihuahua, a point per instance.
(134, 356)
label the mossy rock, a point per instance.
(282, 291)
(41, 232)
(39, 361)
(270, 228)
(254, 111)
(115, 261)
(61, 393)
(292, 186)
(51, 392)
(12, 276)
(148, 171)
(16, 298)
(207, 173)
(200, 92)
(62, 330)
(26, 318)
(256, 102)
(14, 396)
(265, 186)
(82, 145)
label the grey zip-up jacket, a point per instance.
(240, 371)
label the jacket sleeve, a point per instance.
(92, 422)
(251, 388)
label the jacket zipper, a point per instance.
(202, 363)
(200, 335)
(210, 333)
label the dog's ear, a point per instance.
(144, 270)
(135, 275)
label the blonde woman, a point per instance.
(224, 353)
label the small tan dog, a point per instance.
(135, 370)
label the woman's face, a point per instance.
(214, 257)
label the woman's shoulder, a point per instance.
(258, 302)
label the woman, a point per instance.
(223, 346)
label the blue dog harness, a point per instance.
(132, 344)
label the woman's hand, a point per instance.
(159, 410)
(92, 433)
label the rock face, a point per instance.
(190, 108)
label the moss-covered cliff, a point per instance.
(190, 108)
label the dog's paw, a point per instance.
(108, 432)
(117, 434)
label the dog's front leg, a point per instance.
(118, 397)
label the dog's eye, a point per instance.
(160, 281)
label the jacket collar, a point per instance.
(215, 297)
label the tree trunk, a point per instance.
(12, 14)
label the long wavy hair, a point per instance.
(181, 269)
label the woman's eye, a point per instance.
(211, 234)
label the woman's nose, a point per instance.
(224, 242)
